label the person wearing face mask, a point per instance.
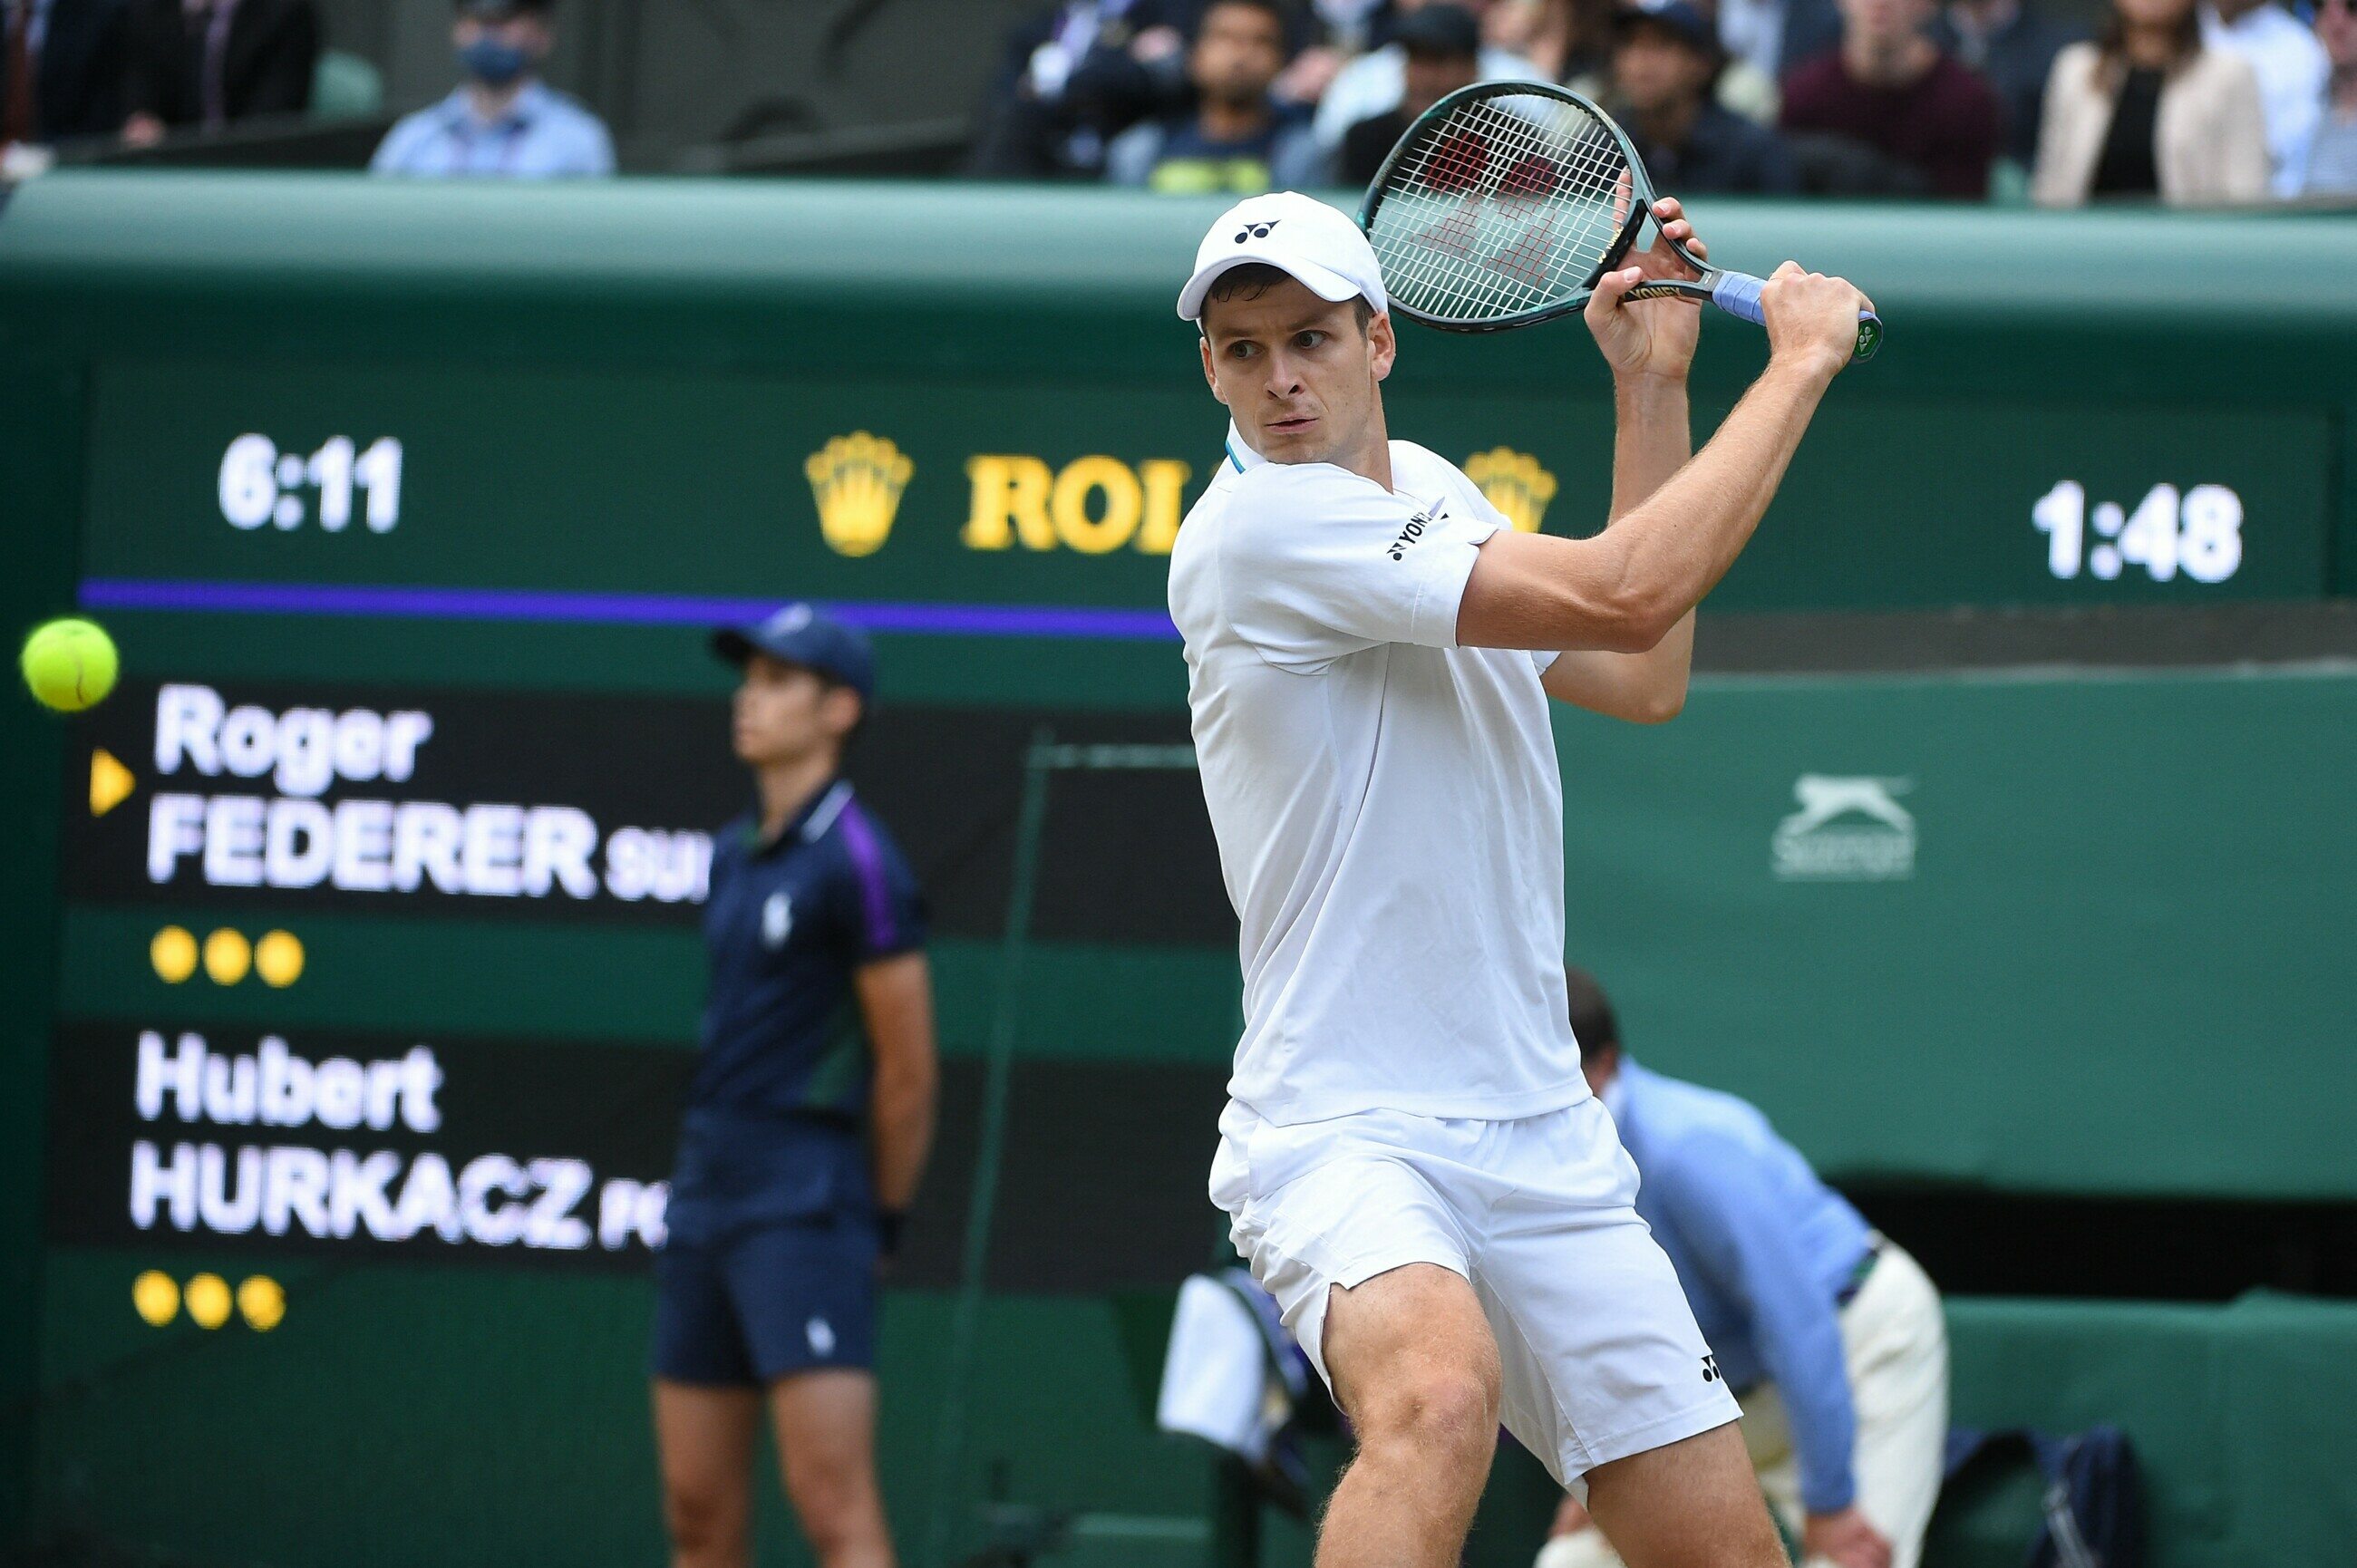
(503, 121)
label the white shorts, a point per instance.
(1601, 1355)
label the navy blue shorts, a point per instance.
(766, 1302)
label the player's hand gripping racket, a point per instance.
(1506, 202)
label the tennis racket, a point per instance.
(1504, 203)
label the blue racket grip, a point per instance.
(1738, 294)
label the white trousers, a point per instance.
(1895, 1341)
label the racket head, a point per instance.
(1502, 205)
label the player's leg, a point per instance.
(707, 1411)
(704, 1438)
(1689, 1504)
(825, 1424)
(1413, 1365)
(1606, 1375)
(806, 1293)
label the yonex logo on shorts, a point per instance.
(1256, 231)
(1407, 536)
(820, 1334)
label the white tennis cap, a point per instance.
(1296, 234)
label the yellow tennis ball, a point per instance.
(70, 664)
(228, 955)
(278, 959)
(264, 1302)
(174, 954)
(208, 1300)
(157, 1298)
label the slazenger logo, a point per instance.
(1848, 830)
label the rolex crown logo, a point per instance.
(856, 480)
(1514, 483)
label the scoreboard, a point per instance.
(375, 887)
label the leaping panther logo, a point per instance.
(1256, 231)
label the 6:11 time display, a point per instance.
(260, 484)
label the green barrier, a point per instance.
(2239, 1414)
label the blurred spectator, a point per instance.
(1773, 37)
(1236, 141)
(63, 71)
(1569, 41)
(1074, 78)
(1662, 68)
(1889, 89)
(2013, 48)
(1444, 51)
(502, 120)
(2328, 164)
(1374, 83)
(209, 63)
(2291, 70)
(2151, 111)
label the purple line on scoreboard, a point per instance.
(614, 609)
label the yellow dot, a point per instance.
(174, 954)
(207, 1299)
(262, 1301)
(278, 959)
(227, 956)
(156, 1296)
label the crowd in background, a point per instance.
(2187, 102)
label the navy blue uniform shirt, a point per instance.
(777, 1108)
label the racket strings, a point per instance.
(1507, 204)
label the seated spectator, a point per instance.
(2150, 111)
(2291, 68)
(1374, 83)
(1444, 49)
(2013, 48)
(63, 72)
(1667, 58)
(1829, 1334)
(1889, 89)
(1074, 78)
(206, 63)
(1236, 141)
(1774, 37)
(2328, 164)
(502, 120)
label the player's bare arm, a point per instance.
(896, 1000)
(1650, 344)
(1626, 589)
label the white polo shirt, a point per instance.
(1387, 804)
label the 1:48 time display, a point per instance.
(260, 484)
(2199, 533)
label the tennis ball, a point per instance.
(70, 664)
(207, 1298)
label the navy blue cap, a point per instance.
(1682, 21)
(805, 635)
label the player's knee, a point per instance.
(706, 1522)
(835, 1500)
(1442, 1412)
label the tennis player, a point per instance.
(1411, 1161)
(808, 1120)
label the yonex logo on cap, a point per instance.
(1256, 231)
(792, 618)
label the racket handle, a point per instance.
(1738, 294)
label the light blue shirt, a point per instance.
(542, 134)
(1764, 1249)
